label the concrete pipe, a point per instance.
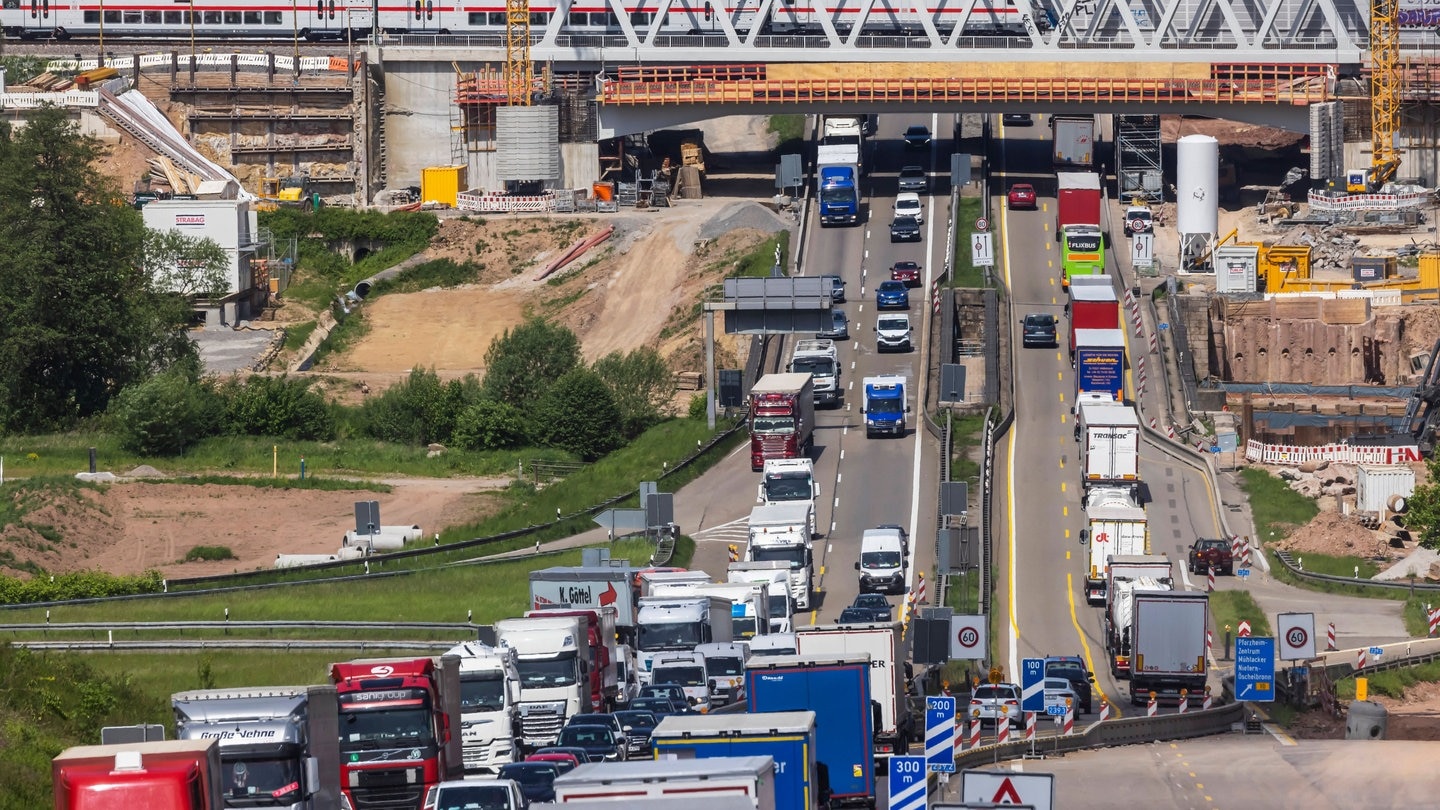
(1365, 720)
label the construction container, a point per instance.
(1236, 268)
(441, 184)
(604, 192)
(1374, 268)
(1377, 484)
(1281, 263)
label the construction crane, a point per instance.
(1385, 93)
(518, 69)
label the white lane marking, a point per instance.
(829, 547)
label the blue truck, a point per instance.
(839, 184)
(837, 690)
(1100, 362)
(885, 407)
(786, 737)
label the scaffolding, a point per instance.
(1137, 158)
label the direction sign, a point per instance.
(940, 733)
(1296, 632)
(982, 249)
(1255, 669)
(967, 637)
(1032, 685)
(1035, 790)
(907, 783)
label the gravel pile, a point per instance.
(743, 215)
(1418, 563)
(144, 471)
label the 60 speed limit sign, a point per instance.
(967, 638)
(1296, 633)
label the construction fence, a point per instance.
(1342, 453)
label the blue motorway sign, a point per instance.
(940, 733)
(1032, 685)
(1055, 711)
(1255, 669)
(907, 783)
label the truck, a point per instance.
(279, 745)
(670, 624)
(841, 155)
(489, 706)
(774, 575)
(782, 533)
(588, 586)
(786, 737)
(1167, 632)
(787, 480)
(548, 659)
(837, 690)
(164, 775)
(399, 728)
(749, 605)
(1077, 200)
(1092, 305)
(843, 129)
(1211, 552)
(1073, 139)
(598, 628)
(895, 727)
(1144, 571)
(680, 781)
(1100, 362)
(685, 669)
(658, 583)
(818, 358)
(1109, 445)
(781, 417)
(1116, 526)
(839, 185)
(885, 406)
(725, 667)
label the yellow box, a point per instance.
(441, 184)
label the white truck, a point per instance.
(1116, 526)
(667, 624)
(789, 480)
(881, 642)
(1126, 575)
(819, 358)
(775, 577)
(840, 154)
(1167, 643)
(842, 129)
(749, 604)
(489, 706)
(782, 533)
(725, 667)
(681, 781)
(656, 583)
(686, 670)
(1109, 436)
(775, 644)
(549, 653)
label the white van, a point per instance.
(883, 556)
(908, 205)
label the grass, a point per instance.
(759, 261)
(966, 433)
(1391, 682)
(1278, 510)
(295, 336)
(790, 130)
(1228, 608)
(963, 273)
(1336, 566)
(209, 553)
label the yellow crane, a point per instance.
(518, 69)
(1385, 94)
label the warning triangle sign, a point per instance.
(1006, 793)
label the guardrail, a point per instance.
(234, 644)
(1286, 559)
(80, 627)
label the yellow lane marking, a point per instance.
(1010, 529)
(1085, 646)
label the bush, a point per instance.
(522, 363)
(209, 554)
(165, 414)
(641, 384)
(277, 406)
(76, 585)
(579, 415)
(697, 406)
(490, 425)
(420, 409)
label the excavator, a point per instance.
(288, 191)
(1422, 413)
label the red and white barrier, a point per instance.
(975, 733)
(1360, 663)
(1153, 424)
(1209, 643)
(1029, 726)
(1330, 635)
(1170, 431)
(1210, 580)
(920, 588)
(1152, 708)
(1434, 620)
(1243, 631)
(1069, 727)
(1155, 342)
(1104, 711)
(1184, 705)
(1342, 453)
(1206, 704)
(1002, 731)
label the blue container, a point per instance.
(786, 737)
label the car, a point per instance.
(917, 136)
(580, 755)
(1017, 119)
(639, 725)
(674, 691)
(837, 289)
(563, 760)
(914, 178)
(659, 705)
(1073, 669)
(839, 326)
(536, 779)
(1059, 693)
(1208, 552)
(892, 332)
(907, 204)
(995, 703)
(1022, 195)
(892, 295)
(1038, 329)
(599, 742)
(906, 272)
(857, 615)
(876, 602)
(609, 721)
(475, 794)
(904, 229)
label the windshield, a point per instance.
(482, 693)
(787, 488)
(582, 736)
(872, 560)
(794, 555)
(818, 366)
(384, 728)
(531, 774)
(764, 651)
(742, 626)
(538, 674)
(669, 636)
(772, 424)
(837, 196)
(894, 324)
(683, 675)
(779, 605)
(884, 406)
(717, 667)
(474, 797)
(262, 782)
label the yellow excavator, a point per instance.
(276, 191)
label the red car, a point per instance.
(907, 272)
(1022, 195)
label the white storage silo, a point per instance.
(1198, 188)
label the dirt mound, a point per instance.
(1414, 716)
(1334, 534)
(1228, 133)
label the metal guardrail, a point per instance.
(65, 627)
(1287, 559)
(234, 644)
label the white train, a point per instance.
(338, 19)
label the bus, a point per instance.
(1082, 252)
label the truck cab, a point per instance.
(885, 406)
(1138, 218)
(489, 706)
(781, 533)
(884, 554)
(819, 359)
(789, 480)
(775, 577)
(179, 774)
(552, 669)
(678, 625)
(686, 670)
(725, 667)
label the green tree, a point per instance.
(524, 362)
(491, 425)
(578, 415)
(82, 319)
(277, 406)
(192, 266)
(1422, 517)
(419, 409)
(165, 414)
(641, 384)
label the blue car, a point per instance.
(892, 295)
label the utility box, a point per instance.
(1236, 268)
(1374, 268)
(1377, 486)
(442, 184)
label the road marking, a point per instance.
(1065, 511)
(836, 503)
(850, 387)
(1057, 357)
(1062, 462)
(866, 256)
(1067, 554)
(829, 547)
(1062, 486)
(1010, 540)
(1274, 731)
(852, 366)
(838, 476)
(832, 528)
(1052, 284)
(1085, 646)
(842, 455)
(1067, 534)
(822, 570)
(1062, 399)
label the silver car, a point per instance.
(839, 326)
(993, 703)
(913, 178)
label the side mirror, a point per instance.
(312, 776)
(907, 409)
(857, 566)
(1084, 536)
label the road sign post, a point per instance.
(940, 734)
(907, 783)
(1255, 669)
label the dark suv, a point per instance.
(1072, 668)
(1039, 330)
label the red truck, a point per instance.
(399, 728)
(168, 775)
(782, 418)
(600, 631)
(1093, 305)
(1078, 200)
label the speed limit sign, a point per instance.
(967, 638)
(1296, 632)
(982, 224)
